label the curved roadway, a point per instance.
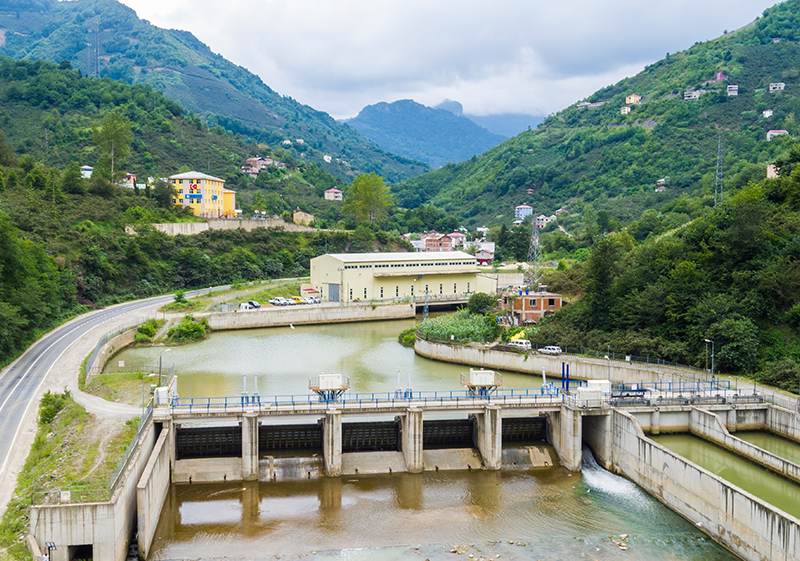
(21, 382)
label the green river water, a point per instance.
(548, 514)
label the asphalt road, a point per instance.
(20, 383)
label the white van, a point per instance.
(522, 344)
(550, 351)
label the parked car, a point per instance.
(552, 350)
(278, 301)
(522, 344)
(245, 307)
(254, 304)
(316, 299)
(298, 300)
(310, 300)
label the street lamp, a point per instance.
(712, 358)
(159, 365)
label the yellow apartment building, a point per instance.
(353, 277)
(204, 194)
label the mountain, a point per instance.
(591, 157)
(435, 136)
(104, 38)
(503, 124)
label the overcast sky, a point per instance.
(498, 56)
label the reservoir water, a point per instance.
(548, 514)
(786, 449)
(746, 475)
(285, 358)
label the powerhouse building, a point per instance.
(354, 277)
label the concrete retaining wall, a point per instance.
(207, 470)
(784, 423)
(580, 368)
(108, 350)
(193, 228)
(746, 525)
(710, 426)
(299, 315)
(106, 526)
(151, 492)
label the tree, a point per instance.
(163, 193)
(114, 139)
(480, 303)
(72, 182)
(368, 199)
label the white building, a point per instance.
(772, 134)
(522, 211)
(776, 87)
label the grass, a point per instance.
(122, 387)
(66, 456)
(261, 291)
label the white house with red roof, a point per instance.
(333, 194)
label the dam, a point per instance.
(246, 448)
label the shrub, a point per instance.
(189, 329)
(180, 296)
(51, 404)
(142, 339)
(407, 337)
(461, 326)
(480, 303)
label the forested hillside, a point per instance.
(435, 136)
(593, 158)
(185, 70)
(731, 276)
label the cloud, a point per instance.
(494, 57)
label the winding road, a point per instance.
(52, 363)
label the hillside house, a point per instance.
(767, 113)
(333, 194)
(484, 257)
(633, 99)
(661, 188)
(441, 242)
(86, 172)
(521, 211)
(777, 87)
(772, 171)
(204, 194)
(773, 133)
(720, 77)
(597, 104)
(733, 90)
(542, 221)
(692, 96)
(458, 239)
(583, 105)
(327, 158)
(528, 307)
(561, 211)
(300, 217)
(624, 110)
(530, 191)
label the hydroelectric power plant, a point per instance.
(260, 472)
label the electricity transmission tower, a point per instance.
(534, 275)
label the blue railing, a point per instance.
(367, 400)
(673, 387)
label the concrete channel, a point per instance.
(265, 441)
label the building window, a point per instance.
(381, 292)
(412, 290)
(455, 291)
(426, 289)
(365, 293)
(532, 302)
(397, 291)
(467, 288)
(441, 290)
(351, 294)
(551, 302)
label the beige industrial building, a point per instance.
(354, 277)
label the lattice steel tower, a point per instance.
(534, 275)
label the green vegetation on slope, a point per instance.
(184, 69)
(589, 159)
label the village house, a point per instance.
(733, 90)
(528, 307)
(458, 239)
(692, 96)
(633, 99)
(767, 113)
(522, 211)
(625, 110)
(441, 242)
(776, 87)
(542, 221)
(484, 257)
(772, 171)
(300, 217)
(773, 133)
(86, 172)
(333, 194)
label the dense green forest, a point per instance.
(177, 64)
(731, 276)
(592, 159)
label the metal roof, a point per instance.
(395, 257)
(195, 175)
